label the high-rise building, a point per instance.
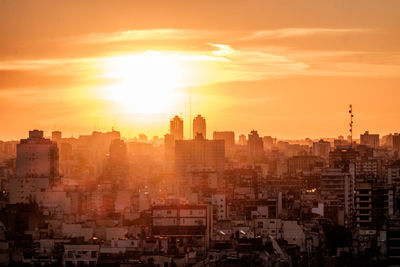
(36, 168)
(337, 192)
(371, 140)
(199, 126)
(321, 149)
(255, 143)
(176, 128)
(37, 157)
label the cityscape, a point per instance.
(199, 133)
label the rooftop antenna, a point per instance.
(351, 124)
(190, 113)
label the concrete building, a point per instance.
(36, 168)
(198, 155)
(321, 149)
(371, 140)
(182, 224)
(337, 192)
(342, 157)
(199, 126)
(303, 164)
(37, 157)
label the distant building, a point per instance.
(56, 136)
(36, 168)
(242, 140)
(176, 128)
(342, 157)
(227, 136)
(255, 143)
(142, 137)
(268, 142)
(37, 157)
(371, 140)
(303, 164)
(198, 155)
(321, 149)
(199, 126)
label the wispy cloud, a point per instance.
(142, 35)
(298, 32)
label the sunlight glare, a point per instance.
(143, 83)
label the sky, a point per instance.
(288, 69)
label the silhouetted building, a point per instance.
(199, 126)
(337, 192)
(227, 136)
(242, 140)
(342, 157)
(56, 136)
(198, 155)
(371, 140)
(268, 142)
(255, 144)
(303, 164)
(176, 128)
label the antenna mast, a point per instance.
(190, 113)
(351, 124)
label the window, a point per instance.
(260, 224)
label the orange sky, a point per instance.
(285, 68)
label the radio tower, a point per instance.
(351, 124)
(190, 113)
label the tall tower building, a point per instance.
(37, 168)
(199, 126)
(37, 157)
(255, 143)
(176, 128)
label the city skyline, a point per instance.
(285, 69)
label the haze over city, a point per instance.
(291, 68)
(199, 133)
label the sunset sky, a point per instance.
(288, 69)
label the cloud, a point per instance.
(142, 35)
(298, 32)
